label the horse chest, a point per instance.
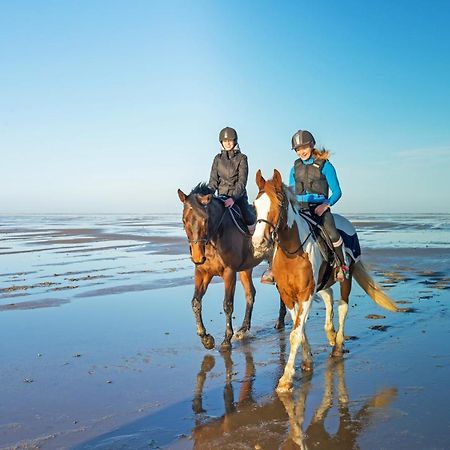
(294, 277)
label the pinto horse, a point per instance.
(218, 247)
(300, 270)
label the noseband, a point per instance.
(275, 228)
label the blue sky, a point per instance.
(111, 106)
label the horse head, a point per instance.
(269, 207)
(196, 220)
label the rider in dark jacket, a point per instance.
(229, 174)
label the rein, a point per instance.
(276, 238)
(209, 236)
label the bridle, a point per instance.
(274, 236)
(209, 236)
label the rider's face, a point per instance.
(228, 144)
(304, 152)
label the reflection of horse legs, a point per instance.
(207, 365)
(299, 315)
(346, 286)
(250, 291)
(228, 394)
(296, 412)
(201, 280)
(229, 278)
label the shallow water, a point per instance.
(118, 364)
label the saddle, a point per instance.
(236, 215)
(321, 237)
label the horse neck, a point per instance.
(293, 228)
(215, 213)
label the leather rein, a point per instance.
(209, 236)
(274, 235)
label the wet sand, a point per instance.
(99, 351)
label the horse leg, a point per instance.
(279, 324)
(307, 361)
(201, 281)
(229, 278)
(299, 315)
(338, 349)
(250, 291)
(327, 296)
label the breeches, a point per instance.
(330, 226)
(248, 211)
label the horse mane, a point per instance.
(292, 198)
(202, 189)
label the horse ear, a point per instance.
(182, 195)
(277, 178)
(260, 181)
(204, 199)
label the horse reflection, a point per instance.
(279, 422)
(349, 427)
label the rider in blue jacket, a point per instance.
(311, 178)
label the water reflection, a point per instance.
(279, 421)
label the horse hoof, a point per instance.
(208, 342)
(225, 346)
(240, 333)
(337, 353)
(279, 325)
(307, 367)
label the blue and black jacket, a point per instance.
(312, 179)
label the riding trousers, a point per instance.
(248, 211)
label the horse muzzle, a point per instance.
(199, 263)
(261, 248)
(197, 254)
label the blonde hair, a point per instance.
(320, 154)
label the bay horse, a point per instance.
(218, 247)
(300, 270)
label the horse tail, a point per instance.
(372, 289)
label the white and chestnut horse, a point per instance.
(300, 270)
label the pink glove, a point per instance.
(229, 202)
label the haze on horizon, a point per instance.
(110, 106)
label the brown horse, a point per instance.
(301, 271)
(218, 247)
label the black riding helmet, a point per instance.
(228, 133)
(302, 137)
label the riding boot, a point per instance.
(342, 269)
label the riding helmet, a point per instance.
(228, 133)
(302, 137)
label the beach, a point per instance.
(99, 347)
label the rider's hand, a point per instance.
(229, 202)
(321, 209)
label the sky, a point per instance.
(111, 106)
